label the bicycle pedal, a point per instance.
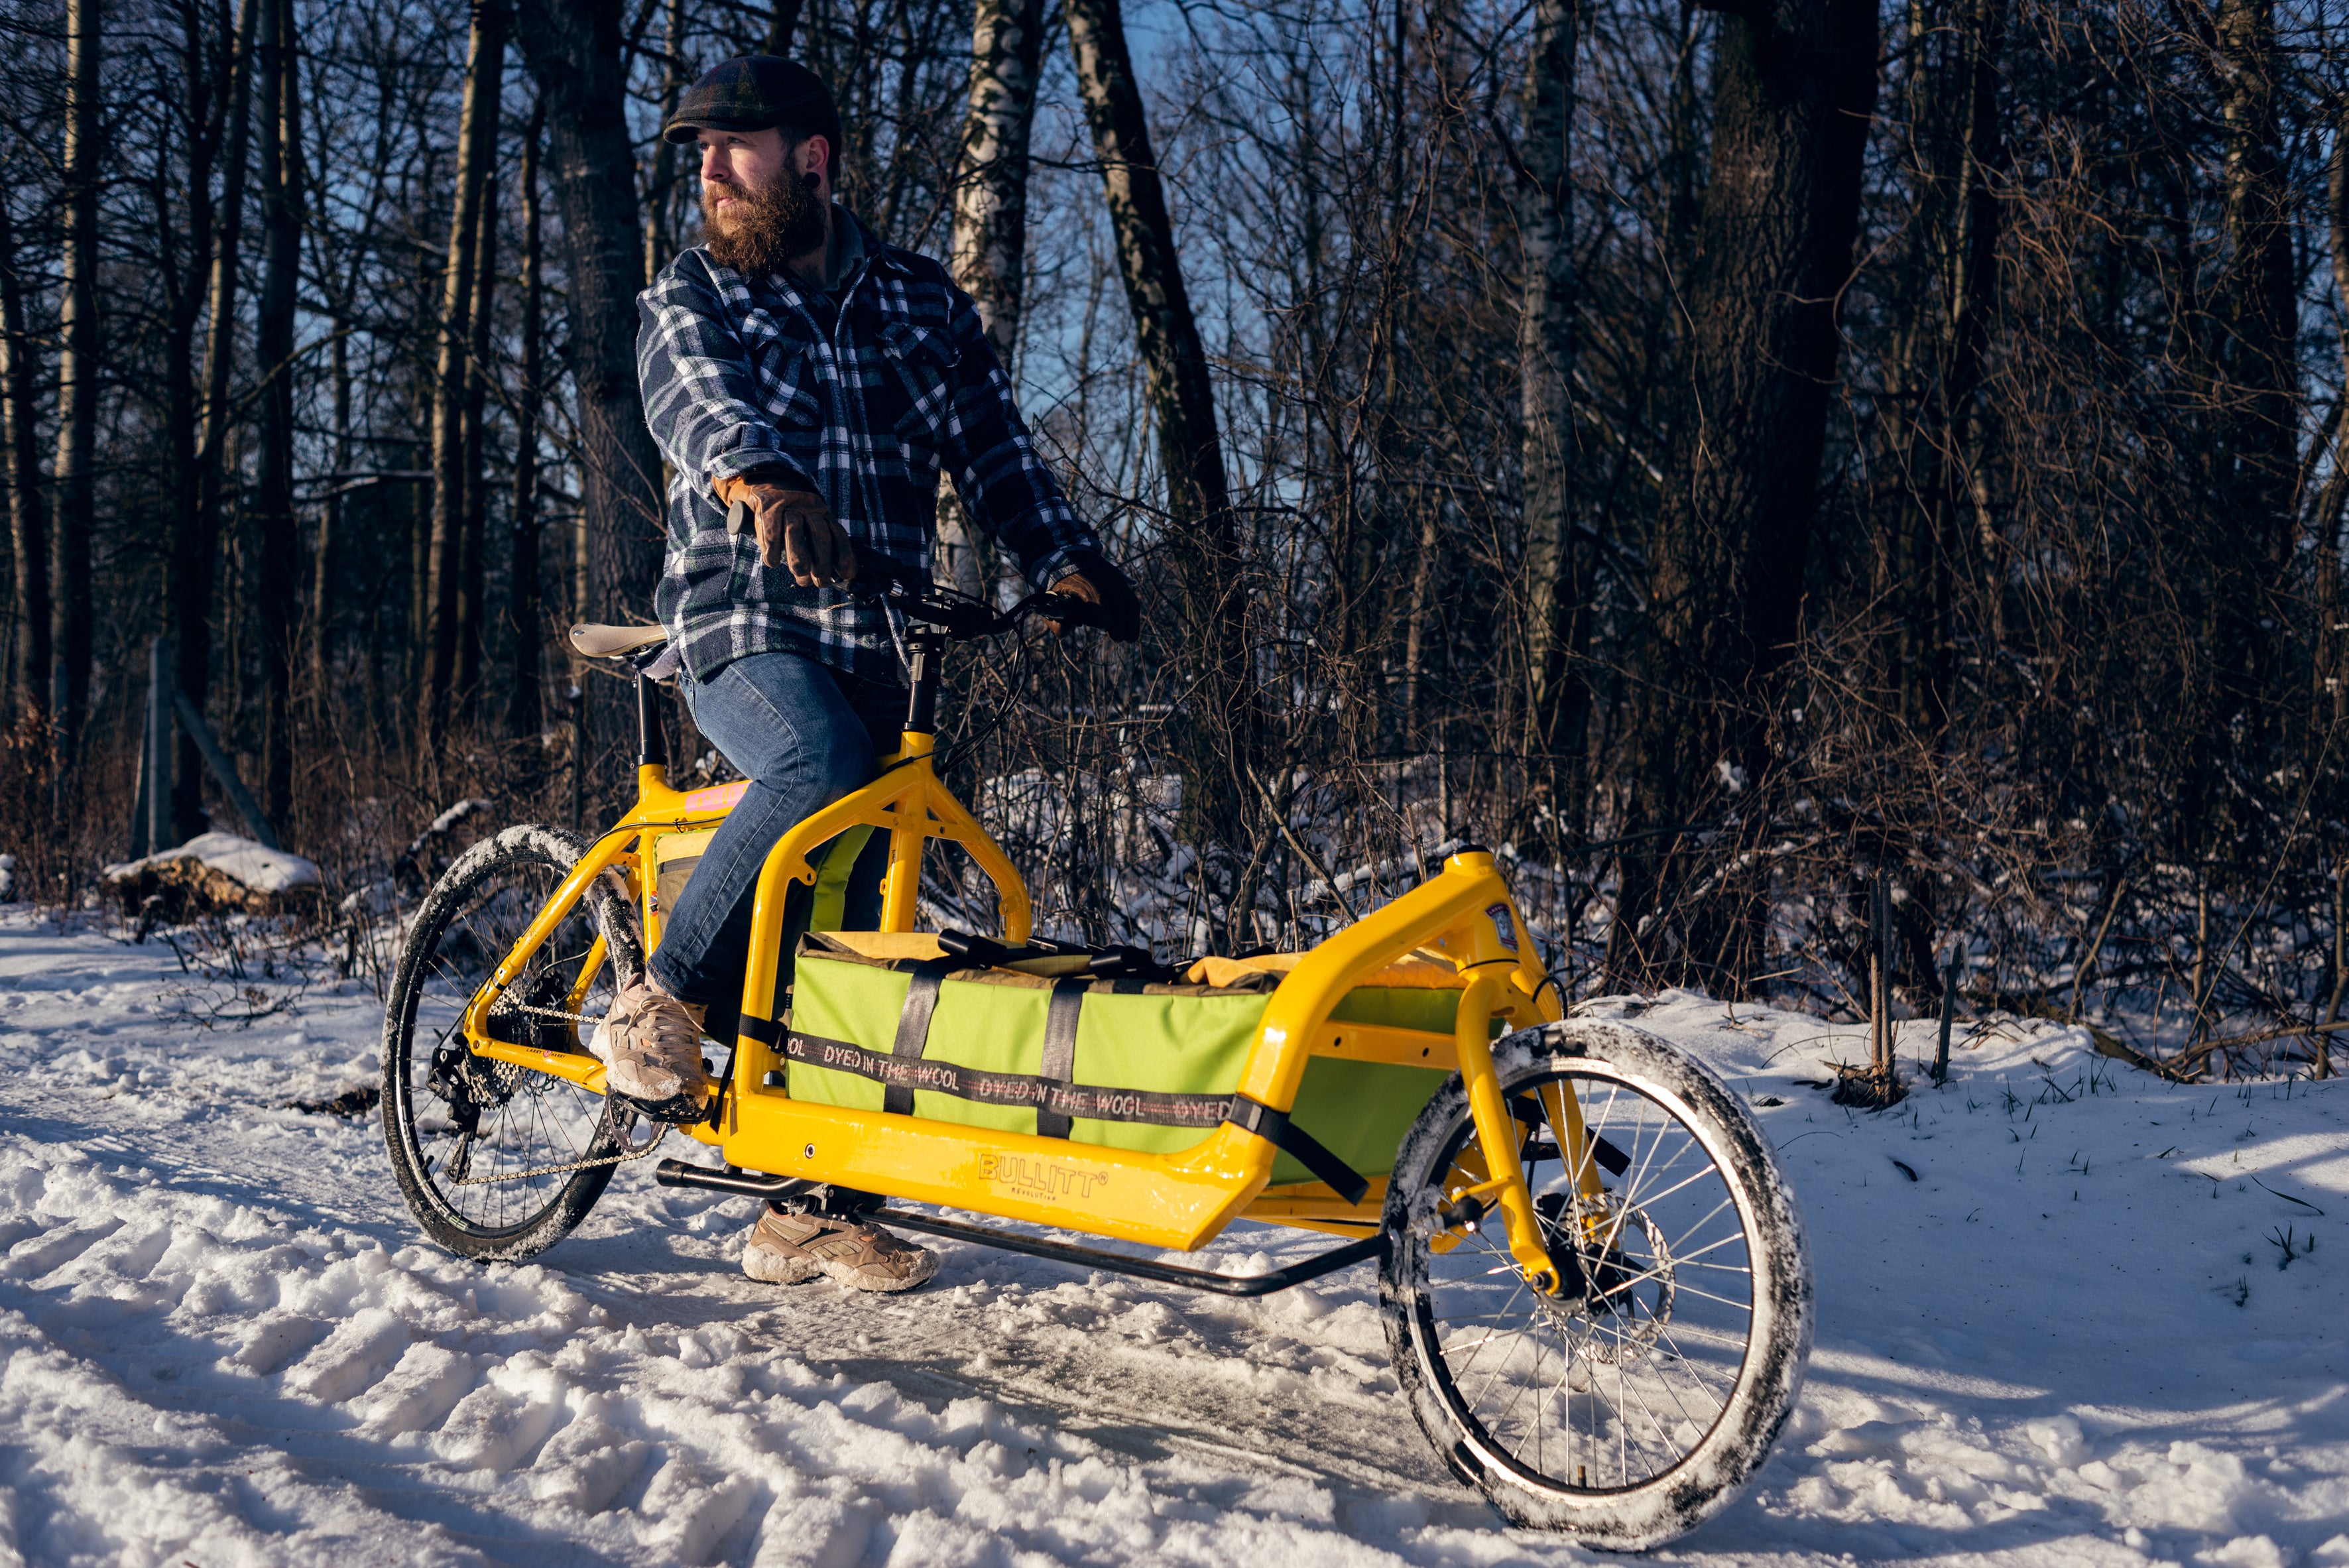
(677, 1110)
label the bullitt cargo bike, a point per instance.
(1595, 1284)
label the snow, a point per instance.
(451, 817)
(241, 860)
(2071, 1339)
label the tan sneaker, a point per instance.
(789, 1249)
(650, 1046)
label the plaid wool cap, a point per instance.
(754, 92)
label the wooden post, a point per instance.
(159, 747)
(138, 805)
(1875, 1015)
(1879, 976)
(1949, 1010)
(192, 719)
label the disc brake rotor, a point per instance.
(1617, 1260)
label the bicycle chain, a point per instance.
(565, 1170)
(548, 1013)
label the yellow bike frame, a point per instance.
(1464, 915)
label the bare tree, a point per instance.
(79, 366)
(573, 50)
(1557, 573)
(278, 539)
(989, 254)
(990, 209)
(1794, 84)
(194, 575)
(524, 614)
(1212, 593)
(455, 473)
(27, 516)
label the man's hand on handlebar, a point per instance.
(1086, 590)
(795, 530)
(1089, 575)
(1076, 585)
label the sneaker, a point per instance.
(789, 1249)
(650, 1046)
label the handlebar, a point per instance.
(962, 617)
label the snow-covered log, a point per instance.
(213, 872)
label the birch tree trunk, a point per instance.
(1795, 85)
(1545, 349)
(476, 134)
(330, 528)
(277, 541)
(1219, 730)
(989, 251)
(77, 387)
(991, 212)
(573, 48)
(29, 528)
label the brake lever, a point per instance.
(1052, 605)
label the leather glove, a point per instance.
(1089, 575)
(795, 530)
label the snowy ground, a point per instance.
(2072, 1338)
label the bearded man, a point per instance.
(796, 364)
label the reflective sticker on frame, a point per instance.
(1502, 927)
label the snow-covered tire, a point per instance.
(1693, 1147)
(465, 925)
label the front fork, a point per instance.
(1501, 1183)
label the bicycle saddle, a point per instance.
(611, 642)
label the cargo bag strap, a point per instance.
(914, 1024)
(1059, 1060)
(1275, 1128)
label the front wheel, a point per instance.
(1631, 1406)
(498, 1161)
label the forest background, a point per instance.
(1728, 457)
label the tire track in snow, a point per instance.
(306, 1380)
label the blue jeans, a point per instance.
(803, 734)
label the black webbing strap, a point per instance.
(1275, 1127)
(1059, 1060)
(913, 1026)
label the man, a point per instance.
(795, 364)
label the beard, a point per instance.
(768, 226)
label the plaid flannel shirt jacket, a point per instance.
(738, 374)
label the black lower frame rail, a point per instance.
(749, 1183)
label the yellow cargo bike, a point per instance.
(1594, 1283)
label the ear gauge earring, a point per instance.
(812, 178)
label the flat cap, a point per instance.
(754, 92)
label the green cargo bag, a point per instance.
(1121, 1063)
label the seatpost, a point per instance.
(652, 741)
(923, 649)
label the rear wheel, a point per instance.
(499, 1162)
(1632, 1405)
